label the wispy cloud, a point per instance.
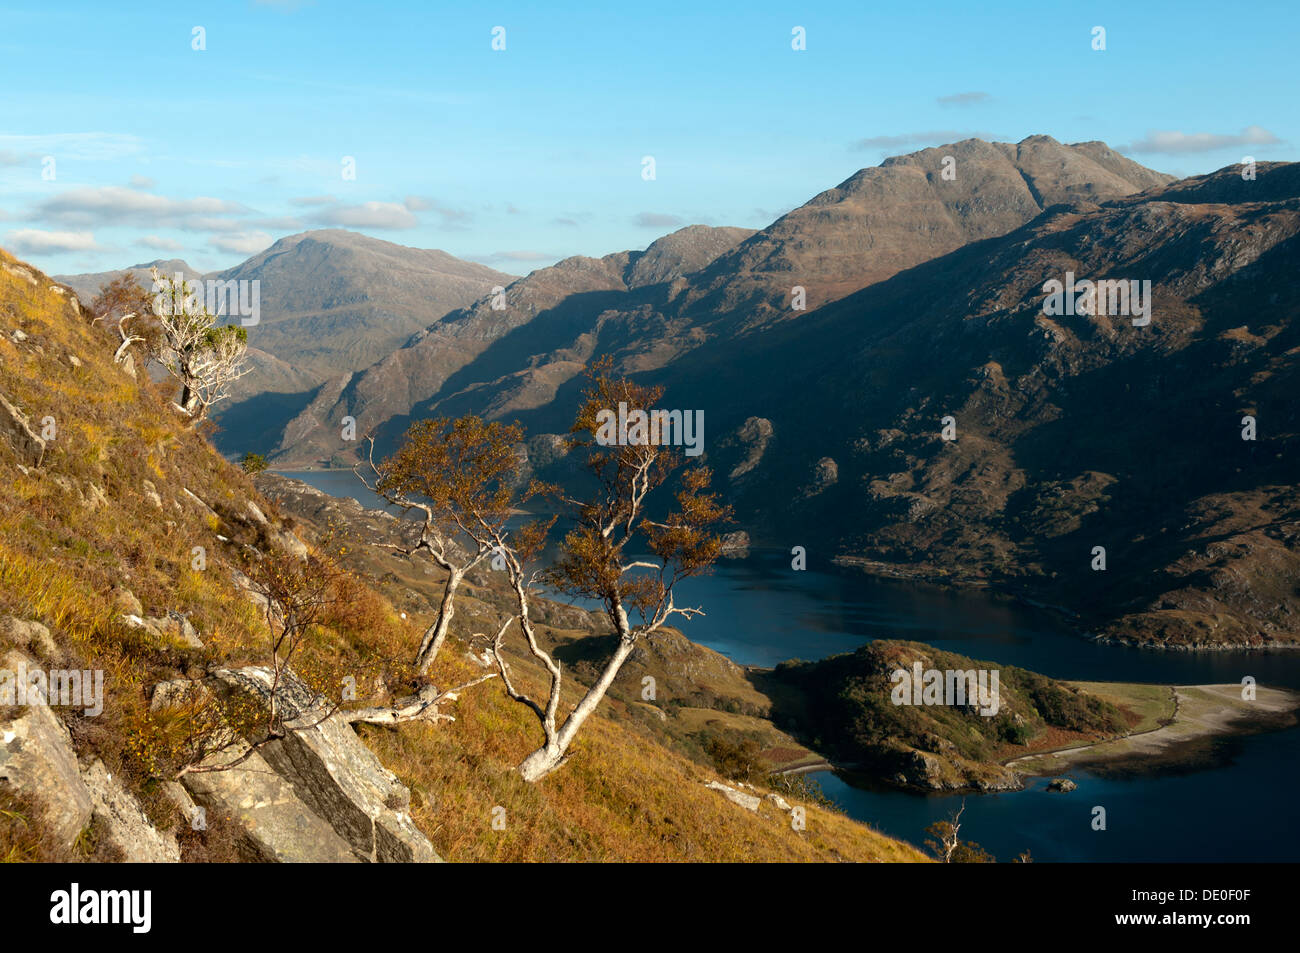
(450, 216)
(1171, 142)
(522, 256)
(368, 215)
(35, 241)
(115, 205)
(159, 244)
(81, 146)
(243, 243)
(973, 98)
(657, 220)
(280, 223)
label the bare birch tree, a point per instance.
(597, 561)
(124, 302)
(462, 476)
(945, 840)
(205, 358)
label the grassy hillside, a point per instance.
(104, 522)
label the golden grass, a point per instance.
(621, 796)
(624, 795)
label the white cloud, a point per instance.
(160, 244)
(525, 256)
(368, 215)
(656, 220)
(244, 243)
(1172, 142)
(115, 205)
(142, 182)
(34, 241)
(281, 223)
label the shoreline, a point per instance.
(1191, 723)
(953, 582)
(1201, 713)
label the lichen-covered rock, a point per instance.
(278, 825)
(37, 760)
(735, 545)
(172, 627)
(123, 824)
(748, 801)
(28, 635)
(335, 773)
(151, 493)
(125, 600)
(780, 803)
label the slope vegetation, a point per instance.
(105, 503)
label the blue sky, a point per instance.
(523, 156)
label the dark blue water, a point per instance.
(1233, 805)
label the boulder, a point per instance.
(172, 627)
(151, 493)
(123, 824)
(748, 801)
(28, 635)
(37, 761)
(256, 513)
(780, 803)
(335, 773)
(125, 601)
(178, 693)
(278, 826)
(287, 540)
(1062, 785)
(735, 545)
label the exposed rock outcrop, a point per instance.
(336, 776)
(748, 801)
(278, 825)
(37, 760)
(123, 824)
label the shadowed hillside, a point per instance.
(525, 359)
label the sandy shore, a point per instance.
(1200, 712)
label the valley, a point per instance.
(982, 464)
(761, 615)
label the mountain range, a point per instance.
(922, 290)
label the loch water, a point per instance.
(1232, 803)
